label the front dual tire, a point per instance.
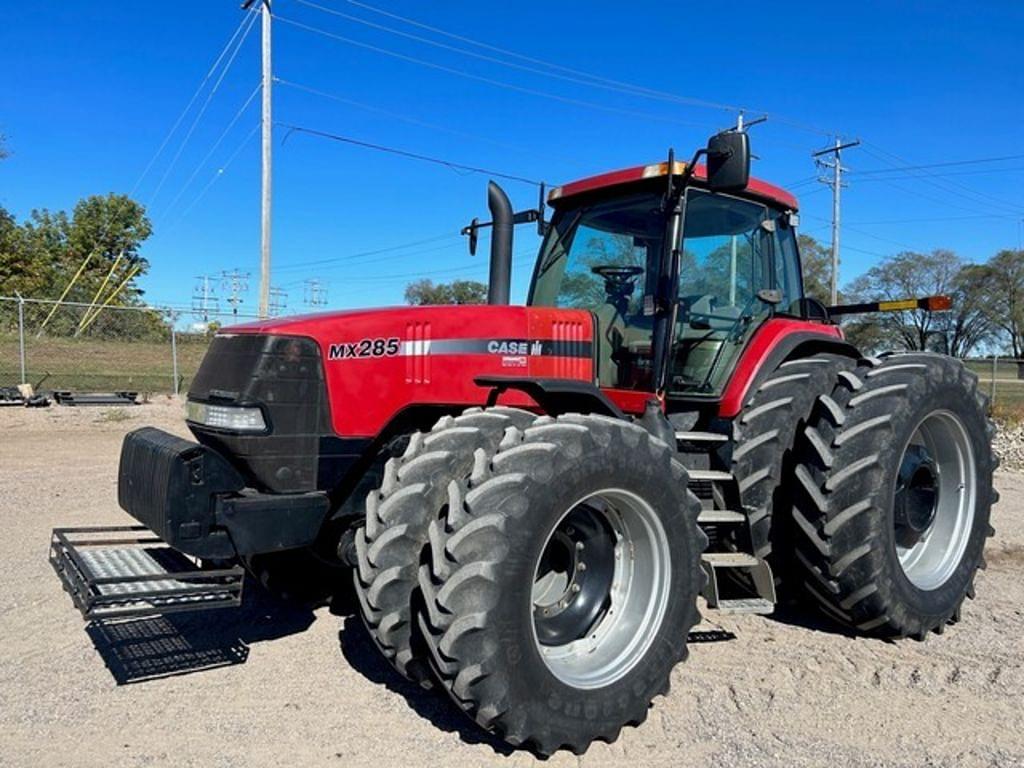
(558, 581)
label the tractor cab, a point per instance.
(703, 286)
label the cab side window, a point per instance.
(787, 268)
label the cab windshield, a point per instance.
(606, 257)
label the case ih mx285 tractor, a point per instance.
(531, 499)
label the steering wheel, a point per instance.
(614, 273)
(618, 283)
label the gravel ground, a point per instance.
(1009, 445)
(273, 684)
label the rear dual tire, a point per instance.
(894, 490)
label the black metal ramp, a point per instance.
(122, 397)
(127, 571)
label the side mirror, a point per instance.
(728, 161)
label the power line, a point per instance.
(865, 233)
(938, 175)
(948, 164)
(947, 186)
(213, 149)
(578, 78)
(188, 106)
(598, 79)
(487, 80)
(936, 218)
(199, 115)
(216, 176)
(405, 153)
(462, 270)
(357, 258)
(942, 201)
(416, 121)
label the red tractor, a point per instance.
(532, 498)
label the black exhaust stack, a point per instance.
(499, 287)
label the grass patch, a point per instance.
(1010, 414)
(113, 416)
(101, 365)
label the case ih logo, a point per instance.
(497, 347)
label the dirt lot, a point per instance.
(278, 685)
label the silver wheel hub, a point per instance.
(935, 500)
(601, 588)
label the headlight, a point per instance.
(227, 417)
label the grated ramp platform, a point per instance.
(127, 571)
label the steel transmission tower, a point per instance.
(236, 284)
(278, 301)
(204, 302)
(315, 293)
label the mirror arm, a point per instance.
(691, 167)
(472, 230)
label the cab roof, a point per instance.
(756, 188)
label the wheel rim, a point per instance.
(935, 500)
(601, 588)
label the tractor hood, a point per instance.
(377, 362)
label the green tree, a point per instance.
(913, 275)
(426, 291)
(968, 324)
(1003, 285)
(39, 257)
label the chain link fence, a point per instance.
(88, 348)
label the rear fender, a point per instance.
(775, 342)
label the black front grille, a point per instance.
(283, 375)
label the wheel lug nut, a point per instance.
(581, 567)
(579, 546)
(575, 588)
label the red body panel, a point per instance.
(764, 341)
(439, 352)
(756, 187)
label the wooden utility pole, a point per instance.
(836, 182)
(267, 145)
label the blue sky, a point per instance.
(92, 89)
